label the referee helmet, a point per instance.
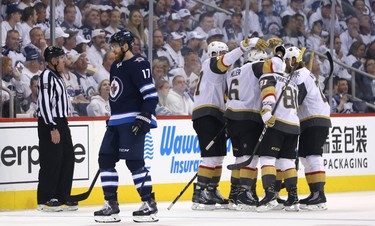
(51, 52)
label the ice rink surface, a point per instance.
(357, 208)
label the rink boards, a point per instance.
(172, 155)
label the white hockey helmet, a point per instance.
(291, 52)
(256, 55)
(216, 47)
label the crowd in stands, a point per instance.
(182, 29)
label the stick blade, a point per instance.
(237, 166)
(85, 195)
(329, 57)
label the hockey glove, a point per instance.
(267, 117)
(273, 42)
(248, 44)
(142, 123)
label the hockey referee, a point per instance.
(56, 153)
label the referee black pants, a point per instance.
(56, 162)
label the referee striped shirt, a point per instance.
(53, 101)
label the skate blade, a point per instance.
(317, 207)
(202, 207)
(69, 208)
(279, 206)
(45, 208)
(292, 208)
(108, 219)
(232, 206)
(267, 207)
(144, 219)
(246, 208)
(221, 206)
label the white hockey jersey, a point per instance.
(210, 91)
(314, 109)
(244, 96)
(286, 111)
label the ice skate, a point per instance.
(147, 212)
(234, 189)
(246, 201)
(70, 206)
(202, 199)
(280, 202)
(220, 201)
(109, 213)
(52, 205)
(269, 201)
(303, 202)
(291, 204)
(316, 203)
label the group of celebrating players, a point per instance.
(274, 113)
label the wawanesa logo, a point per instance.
(177, 146)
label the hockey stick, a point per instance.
(329, 57)
(237, 166)
(182, 192)
(217, 135)
(83, 196)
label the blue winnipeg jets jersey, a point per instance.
(132, 91)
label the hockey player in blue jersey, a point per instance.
(133, 99)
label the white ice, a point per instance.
(355, 208)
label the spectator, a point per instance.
(12, 47)
(12, 19)
(366, 29)
(99, 104)
(345, 103)
(364, 86)
(194, 42)
(86, 82)
(91, 21)
(98, 48)
(103, 71)
(159, 71)
(206, 23)
(175, 42)
(185, 24)
(269, 20)
(31, 68)
(356, 54)
(370, 50)
(290, 34)
(351, 34)
(114, 20)
(104, 17)
(75, 93)
(70, 15)
(158, 45)
(233, 29)
(215, 34)
(221, 19)
(162, 87)
(161, 12)
(190, 71)
(295, 7)
(59, 37)
(69, 7)
(254, 26)
(29, 104)
(41, 20)
(301, 26)
(37, 40)
(154, 24)
(28, 18)
(82, 44)
(70, 42)
(173, 24)
(324, 13)
(10, 79)
(178, 101)
(315, 39)
(135, 25)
